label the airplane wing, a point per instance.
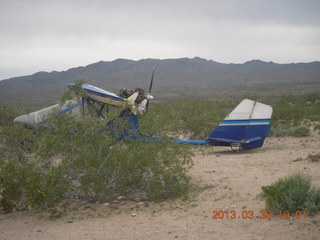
(41, 116)
(99, 94)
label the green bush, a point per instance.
(290, 110)
(299, 131)
(278, 132)
(312, 97)
(26, 184)
(292, 193)
(190, 118)
(77, 159)
(314, 118)
(7, 114)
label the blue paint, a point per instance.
(103, 94)
(60, 112)
(248, 136)
(192, 142)
(245, 121)
(68, 109)
(124, 127)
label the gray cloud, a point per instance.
(56, 35)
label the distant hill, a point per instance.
(184, 75)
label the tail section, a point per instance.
(246, 126)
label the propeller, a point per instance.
(149, 96)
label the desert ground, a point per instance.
(226, 180)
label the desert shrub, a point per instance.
(105, 167)
(10, 185)
(278, 132)
(79, 158)
(292, 193)
(26, 180)
(290, 110)
(15, 140)
(26, 184)
(312, 97)
(191, 117)
(314, 117)
(7, 114)
(299, 131)
(10, 111)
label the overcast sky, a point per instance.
(47, 35)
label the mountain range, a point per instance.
(172, 76)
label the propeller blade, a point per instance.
(149, 96)
(147, 105)
(150, 87)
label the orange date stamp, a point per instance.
(249, 214)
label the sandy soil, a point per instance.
(228, 180)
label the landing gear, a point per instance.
(236, 146)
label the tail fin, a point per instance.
(246, 126)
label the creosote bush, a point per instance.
(292, 193)
(290, 113)
(80, 159)
(298, 131)
(191, 117)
